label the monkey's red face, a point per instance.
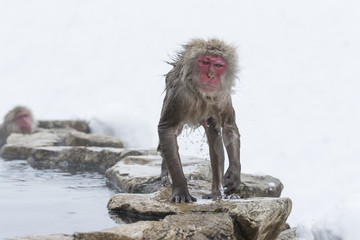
(24, 122)
(211, 69)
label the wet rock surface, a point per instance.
(143, 209)
(181, 226)
(66, 148)
(75, 138)
(258, 218)
(20, 146)
(43, 237)
(79, 125)
(81, 158)
(74, 158)
(140, 174)
(289, 234)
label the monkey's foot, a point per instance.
(182, 199)
(232, 196)
(231, 181)
(211, 196)
(165, 181)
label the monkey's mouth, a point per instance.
(208, 87)
(26, 129)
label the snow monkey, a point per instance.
(18, 120)
(198, 92)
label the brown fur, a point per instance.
(184, 104)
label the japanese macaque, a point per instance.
(198, 93)
(18, 120)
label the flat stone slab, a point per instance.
(74, 158)
(263, 221)
(259, 218)
(81, 158)
(141, 174)
(76, 138)
(79, 125)
(68, 149)
(21, 146)
(43, 237)
(181, 226)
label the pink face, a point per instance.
(24, 121)
(211, 68)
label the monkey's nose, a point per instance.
(211, 74)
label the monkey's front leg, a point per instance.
(164, 176)
(169, 150)
(216, 150)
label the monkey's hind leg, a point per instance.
(164, 176)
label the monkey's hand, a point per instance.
(181, 195)
(231, 181)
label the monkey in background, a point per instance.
(18, 120)
(198, 93)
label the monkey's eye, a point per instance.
(22, 116)
(218, 65)
(205, 62)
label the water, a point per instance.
(34, 201)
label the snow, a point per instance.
(296, 101)
(340, 222)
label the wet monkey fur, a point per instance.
(198, 93)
